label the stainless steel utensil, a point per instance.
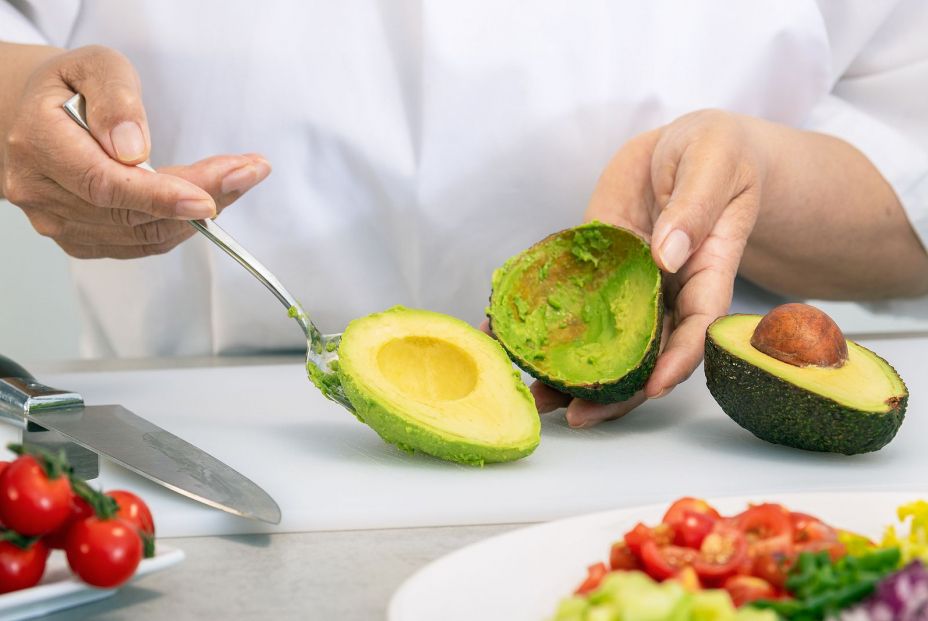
(321, 350)
(132, 442)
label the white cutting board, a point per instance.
(328, 471)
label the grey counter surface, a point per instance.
(327, 576)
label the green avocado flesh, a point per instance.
(855, 408)
(581, 311)
(429, 382)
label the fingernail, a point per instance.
(675, 250)
(663, 393)
(128, 141)
(196, 209)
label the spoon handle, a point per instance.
(75, 108)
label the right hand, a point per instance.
(84, 192)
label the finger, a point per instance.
(623, 193)
(224, 177)
(51, 197)
(548, 399)
(149, 234)
(113, 95)
(485, 328)
(582, 413)
(75, 162)
(698, 180)
(81, 251)
(681, 356)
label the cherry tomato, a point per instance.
(30, 502)
(746, 589)
(595, 575)
(57, 539)
(767, 528)
(721, 554)
(621, 557)
(692, 529)
(680, 508)
(134, 510)
(21, 568)
(636, 537)
(104, 553)
(813, 535)
(664, 561)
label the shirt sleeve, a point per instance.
(877, 102)
(15, 27)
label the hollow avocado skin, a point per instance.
(780, 412)
(619, 389)
(612, 392)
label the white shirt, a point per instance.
(417, 145)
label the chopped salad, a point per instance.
(767, 563)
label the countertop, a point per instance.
(328, 575)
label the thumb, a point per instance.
(699, 180)
(113, 95)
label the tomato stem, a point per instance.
(54, 465)
(103, 506)
(20, 541)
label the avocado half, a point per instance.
(856, 407)
(581, 311)
(429, 382)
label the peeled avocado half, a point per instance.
(581, 310)
(429, 382)
(792, 387)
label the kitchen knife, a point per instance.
(132, 442)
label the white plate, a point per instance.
(60, 589)
(522, 575)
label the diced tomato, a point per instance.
(663, 561)
(595, 575)
(636, 537)
(680, 508)
(835, 549)
(772, 567)
(746, 589)
(813, 535)
(764, 521)
(621, 557)
(692, 529)
(721, 554)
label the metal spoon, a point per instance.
(321, 349)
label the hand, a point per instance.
(693, 188)
(83, 191)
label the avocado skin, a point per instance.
(777, 411)
(411, 438)
(611, 392)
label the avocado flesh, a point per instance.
(429, 382)
(855, 408)
(581, 311)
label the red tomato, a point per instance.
(680, 508)
(662, 562)
(133, 509)
(79, 510)
(721, 554)
(767, 528)
(30, 502)
(21, 568)
(636, 537)
(746, 589)
(772, 567)
(595, 575)
(621, 557)
(692, 529)
(813, 535)
(104, 553)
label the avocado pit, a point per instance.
(801, 335)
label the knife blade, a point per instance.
(136, 444)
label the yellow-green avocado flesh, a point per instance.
(429, 382)
(581, 311)
(855, 408)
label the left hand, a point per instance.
(693, 188)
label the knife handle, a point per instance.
(20, 393)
